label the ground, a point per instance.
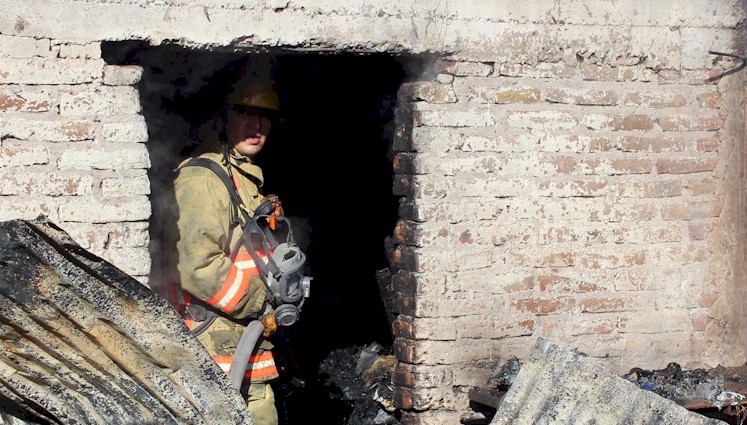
(358, 379)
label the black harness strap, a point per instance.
(223, 175)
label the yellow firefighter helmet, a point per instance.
(255, 92)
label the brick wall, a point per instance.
(590, 204)
(73, 147)
(569, 169)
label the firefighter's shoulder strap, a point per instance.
(230, 187)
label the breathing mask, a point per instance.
(269, 231)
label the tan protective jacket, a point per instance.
(204, 262)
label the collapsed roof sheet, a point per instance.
(84, 343)
(557, 386)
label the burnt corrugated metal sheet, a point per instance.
(84, 343)
(557, 386)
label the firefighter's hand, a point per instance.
(268, 320)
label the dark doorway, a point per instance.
(331, 165)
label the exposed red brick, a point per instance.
(700, 186)
(402, 327)
(404, 350)
(559, 259)
(598, 305)
(403, 375)
(707, 299)
(405, 232)
(708, 144)
(404, 304)
(77, 130)
(635, 259)
(562, 164)
(428, 91)
(564, 284)
(685, 165)
(692, 210)
(651, 144)
(691, 123)
(588, 97)
(655, 100)
(709, 100)
(631, 122)
(10, 103)
(631, 166)
(445, 66)
(700, 231)
(601, 144)
(504, 95)
(405, 258)
(521, 285)
(543, 307)
(402, 398)
(650, 189)
(466, 237)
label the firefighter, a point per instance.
(220, 287)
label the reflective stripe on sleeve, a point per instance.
(236, 284)
(260, 367)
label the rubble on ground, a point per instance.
(555, 385)
(362, 377)
(715, 393)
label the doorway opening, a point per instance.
(330, 163)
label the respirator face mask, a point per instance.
(288, 291)
(282, 270)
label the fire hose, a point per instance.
(244, 350)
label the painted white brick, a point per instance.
(448, 118)
(23, 47)
(15, 154)
(133, 261)
(122, 75)
(120, 186)
(50, 71)
(542, 120)
(29, 208)
(27, 182)
(25, 99)
(104, 210)
(106, 100)
(106, 157)
(45, 128)
(98, 237)
(126, 129)
(80, 51)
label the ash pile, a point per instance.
(360, 377)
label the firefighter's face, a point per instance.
(247, 130)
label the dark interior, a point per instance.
(330, 163)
